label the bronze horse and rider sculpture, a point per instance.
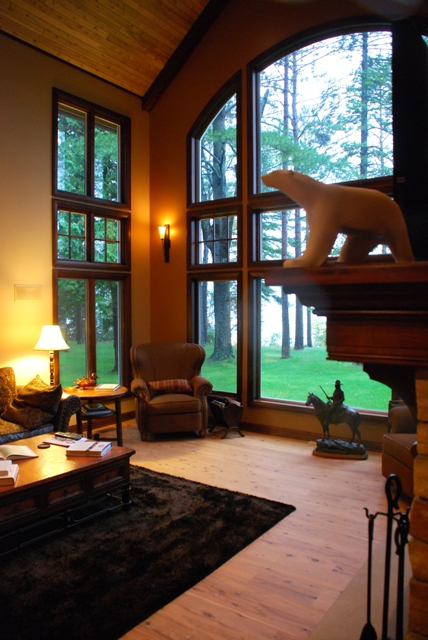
(334, 411)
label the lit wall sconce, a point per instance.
(166, 242)
(51, 340)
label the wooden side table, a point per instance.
(101, 395)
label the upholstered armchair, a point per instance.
(170, 395)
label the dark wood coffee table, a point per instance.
(54, 492)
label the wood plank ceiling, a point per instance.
(138, 45)
(126, 42)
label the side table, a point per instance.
(101, 395)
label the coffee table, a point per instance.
(54, 492)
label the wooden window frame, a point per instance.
(124, 279)
(229, 89)
(92, 111)
(193, 218)
(91, 211)
(193, 280)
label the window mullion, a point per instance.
(91, 326)
(90, 154)
(90, 235)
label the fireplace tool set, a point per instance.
(393, 493)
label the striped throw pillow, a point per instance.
(176, 385)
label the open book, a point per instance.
(16, 452)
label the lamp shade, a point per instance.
(51, 339)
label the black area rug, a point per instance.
(101, 580)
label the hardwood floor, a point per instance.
(281, 585)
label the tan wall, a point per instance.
(245, 29)
(26, 81)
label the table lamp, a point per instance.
(51, 340)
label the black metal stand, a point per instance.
(226, 413)
(393, 493)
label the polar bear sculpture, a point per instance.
(366, 216)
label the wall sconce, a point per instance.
(51, 340)
(166, 242)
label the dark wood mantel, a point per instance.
(376, 315)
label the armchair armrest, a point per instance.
(201, 386)
(140, 389)
(67, 407)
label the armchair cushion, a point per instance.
(175, 385)
(35, 405)
(173, 403)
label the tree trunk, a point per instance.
(285, 342)
(299, 340)
(309, 342)
(80, 326)
(222, 325)
(364, 160)
(222, 335)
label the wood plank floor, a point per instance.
(281, 585)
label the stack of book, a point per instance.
(8, 472)
(97, 408)
(91, 448)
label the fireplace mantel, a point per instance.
(376, 315)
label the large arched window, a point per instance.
(213, 144)
(214, 222)
(325, 109)
(322, 107)
(326, 103)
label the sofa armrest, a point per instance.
(140, 389)
(201, 386)
(67, 407)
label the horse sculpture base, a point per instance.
(340, 449)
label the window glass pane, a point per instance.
(71, 149)
(326, 109)
(72, 298)
(217, 330)
(71, 229)
(293, 357)
(283, 236)
(106, 160)
(218, 148)
(107, 240)
(107, 322)
(217, 240)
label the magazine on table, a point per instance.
(107, 386)
(62, 441)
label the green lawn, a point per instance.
(289, 379)
(293, 378)
(73, 365)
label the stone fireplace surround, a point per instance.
(377, 314)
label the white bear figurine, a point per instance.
(368, 218)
